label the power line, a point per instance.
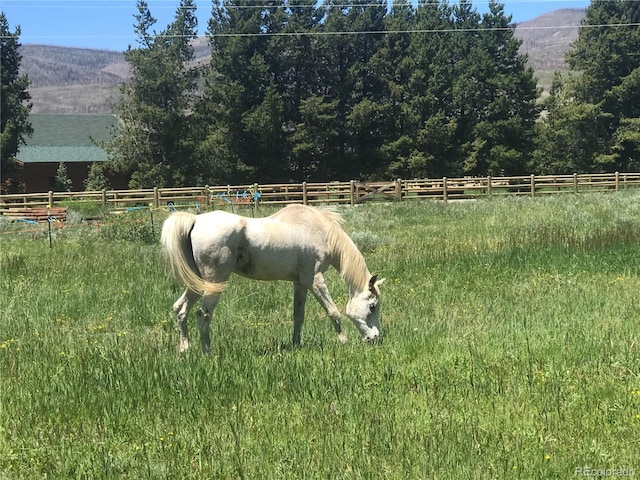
(352, 32)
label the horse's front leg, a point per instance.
(299, 302)
(181, 309)
(204, 314)
(321, 292)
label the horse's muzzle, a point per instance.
(373, 336)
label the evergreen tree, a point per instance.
(503, 111)
(97, 178)
(569, 134)
(154, 142)
(241, 96)
(62, 182)
(347, 90)
(394, 64)
(595, 116)
(352, 33)
(426, 145)
(14, 105)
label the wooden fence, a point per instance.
(351, 192)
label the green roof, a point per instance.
(67, 138)
(61, 154)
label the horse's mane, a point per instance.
(353, 268)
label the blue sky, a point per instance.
(108, 24)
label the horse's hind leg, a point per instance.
(204, 313)
(181, 309)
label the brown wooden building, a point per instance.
(68, 139)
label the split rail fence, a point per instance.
(351, 192)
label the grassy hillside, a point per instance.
(510, 351)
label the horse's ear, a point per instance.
(374, 283)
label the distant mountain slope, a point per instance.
(49, 66)
(547, 38)
(73, 80)
(81, 80)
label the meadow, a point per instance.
(510, 350)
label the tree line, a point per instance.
(365, 89)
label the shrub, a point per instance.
(130, 227)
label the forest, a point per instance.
(367, 89)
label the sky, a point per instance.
(108, 24)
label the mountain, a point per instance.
(72, 80)
(79, 80)
(547, 38)
(85, 81)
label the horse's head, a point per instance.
(364, 309)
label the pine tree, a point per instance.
(609, 83)
(154, 142)
(504, 109)
(14, 105)
(62, 182)
(241, 95)
(97, 178)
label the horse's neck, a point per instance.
(350, 262)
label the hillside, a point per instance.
(85, 81)
(547, 38)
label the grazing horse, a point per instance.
(297, 244)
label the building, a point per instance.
(68, 139)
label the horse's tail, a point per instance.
(176, 239)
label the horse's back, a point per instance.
(313, 217)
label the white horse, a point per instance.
(297, 244)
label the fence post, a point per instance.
(50, 199)
(255, 198)
(206, 197)
(533, 185)
(352, 192)
(445, 195)
(156, 197)
(617, 181)
(104, 198)
(398, 190)
(575, 183)
(304, 194)
(489, 186)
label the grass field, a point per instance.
(510, 351)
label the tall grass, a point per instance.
(510, 350)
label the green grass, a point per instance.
(510, 351)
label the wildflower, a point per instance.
(547, 457)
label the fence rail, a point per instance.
(351, 192)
